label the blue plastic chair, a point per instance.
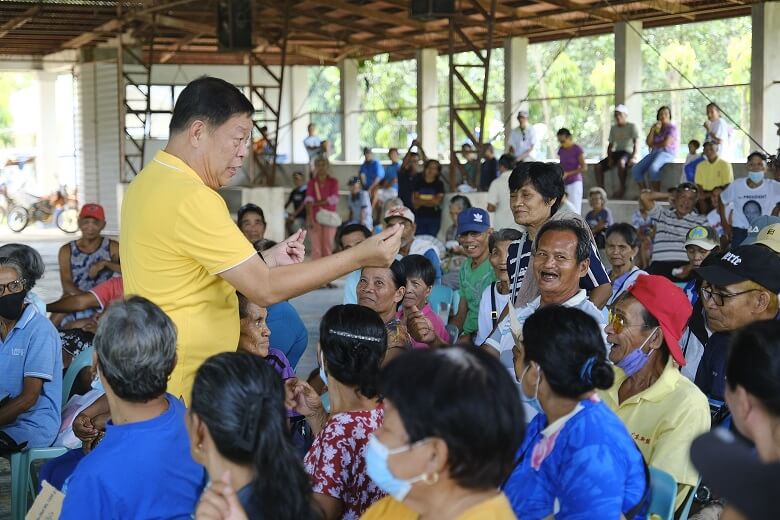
(686, 510)
(22, 478)
(663, 493)
(440, 301)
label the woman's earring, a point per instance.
(431, 478)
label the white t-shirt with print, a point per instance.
(751, 203)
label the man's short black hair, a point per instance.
(695, 143)
(545, 178)
(756, 154)
(583, 237)
(564, 132)
(351, 228)
(212, 100)
(417, 266)
(507, 160)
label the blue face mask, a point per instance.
(533, 402)
(755, 177)
(323, 375)
(636, 360)
(378, 469)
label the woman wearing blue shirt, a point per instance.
(577, 460)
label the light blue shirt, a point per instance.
(350, 287)
(33, 349)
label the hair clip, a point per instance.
(358, 337)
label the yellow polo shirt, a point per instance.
(496, 508)
(711, 175)
(663, 420)
(176, 237)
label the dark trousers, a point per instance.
(428, 225)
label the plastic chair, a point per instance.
(686, 510)
(663, 493)
(22, 482)
(440, 301)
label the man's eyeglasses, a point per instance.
(11, 287)
(618, 322)
(719, 298)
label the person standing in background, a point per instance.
(313, 145)
(488, 170)
(573, 166)
(321, 193)
(718, 132)
(297, 219)
(371, 173)
(621, 152)
(522, 139)
(427, 196)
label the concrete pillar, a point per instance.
(764, 89)
(350, 130)
(299, 90)
(427, 99)
(285, 144)
(628, 69)
(515, 79)
(46, 144)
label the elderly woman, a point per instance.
(31, 365)
(622, 243)
(662, 140)
(230, 391)
(577, 457)
(351, 350)
(142, 467)
(382, 290)
(33, 267)
(435, 454)
(662, 409)
(752, 390)
(535, 194)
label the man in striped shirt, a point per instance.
(671, 226)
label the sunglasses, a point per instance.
(618, 322)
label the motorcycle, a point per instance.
(62, 211)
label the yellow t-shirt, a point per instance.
(711, 175)
(176, 237)
(663, 420)
(497, 508)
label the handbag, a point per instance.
(326, 217)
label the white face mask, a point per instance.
(755, 176)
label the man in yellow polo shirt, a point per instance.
(662, 410)
(181, 249)
(713, 171)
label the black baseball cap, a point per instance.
(754, 262)
(733, 471)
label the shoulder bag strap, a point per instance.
(493, 310)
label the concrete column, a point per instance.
(285, 145)
(427, 99)
(628, 69)
(350, 131)
(764, 91)
(299, 89)
(46, 144)
(515, 78)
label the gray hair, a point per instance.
(29, 259)
(135, 344)
(15, 264)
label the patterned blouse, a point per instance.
(336, 461)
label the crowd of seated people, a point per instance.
(562, 367)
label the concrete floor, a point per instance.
(310, 306)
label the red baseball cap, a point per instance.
(668, 304)
(93, 211)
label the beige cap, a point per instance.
(400, 211)
(770, 237)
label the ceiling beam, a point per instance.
(372, 14)
(15, 23)
(669, 7)
(601, 14)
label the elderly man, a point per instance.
(522, 139)
(662, 410)
(142, 467)
(561, 258)
(738, 289)
(181, 250)
(671, 226)
(621, 151)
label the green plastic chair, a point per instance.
(663, 493)
(440, 301)
(22, 478)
